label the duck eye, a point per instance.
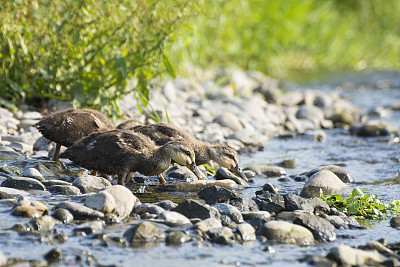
(187, 152)
(230, 156)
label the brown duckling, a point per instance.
(121, 152)
(128, 124)
(223, 155)
(68, 126)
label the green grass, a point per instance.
(283, 37)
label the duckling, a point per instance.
(126, 125)
(223, 155)
(68, 126)
(121, 152)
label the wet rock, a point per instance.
(149, 208)
(311, 113)
(49, 183)
(79, 211)
(375, 128)
(54, 255)
(229, 210)
(207, 224)
(199, 185)
(340, 172)
(348, 256)
(286, 232)
(90, 183)
(43, 224)
(341, 118)
(227, 221)
(115, 199)
(32, 173)
(65, 190)
(101, 201)
(29, 208)
(216, 194)
(273, 203)
(11, 193)
(269, 171)
(23, 183)
(144, 232)
(325, 180)
(224, 173)
(244, 204)
(293, 202)
(338, 222)
(245, 232)
(177, 238)
(322, 229)
(195, 209)
(221, 235)
(166, 204)
(395, 222)
(229, 120)
(248, 216)
(288, 163)
(63, 215)
(181, 173)
(42, 144)
(8, 152)
(88, 228)
(172, 218)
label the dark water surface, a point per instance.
(373, 163)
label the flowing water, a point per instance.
(373, 163)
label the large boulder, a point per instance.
(326, 181)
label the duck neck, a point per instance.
(202, 152)
(160, 160)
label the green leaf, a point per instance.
(168, 66)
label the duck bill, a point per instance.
(195, 170)
(236, 170)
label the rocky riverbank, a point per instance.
(56, 204)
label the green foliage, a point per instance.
(277, 37)
(363, 206)
(210, 171)
(85, 51)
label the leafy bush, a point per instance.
(360, 205)
(284, 37)
(85, 51)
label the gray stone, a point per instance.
(29, 208)
(273, 203)
(395, 222)
(195, 209)
(172, 218)
(311, 113)
(65, 190)
(42, 143)
(88, 228)
(221, 235)
(63, 215)
(325, 180)
(54, 255)
(177, 238)
(116, 199)
(249, 138)
(79, 211)
(11, 193)
(281, 231)
(144, 232)
(166, 204)
(322, 229)
(338, 222)
(245, 232)
(249, 215)
(229, 120)
(49, 183)
(199, 185)
(375, 128)
(32, 173)
(148, 207)
(207, 224)
(348, 256)
(8, 152)
(224, 173)
(229, 210)
(340, 172)
(90, 183)
(244, 204)
(269, 171)
(216, 194)
(294, 202)
(3, 259)
(181, 173)
(23, 183)
(43, 224)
